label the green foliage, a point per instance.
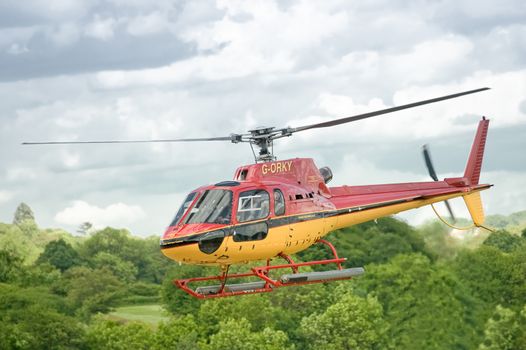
(175, 300)
(33, 318)
(351, 323)
(504, 240)
(423, 303)
(179, 333)
(124, 270)
(256, 309)
(493, 276)
(237, 335)
(10, 265)
(59, 254)
(91, 291)
(407, 298)
(110, 335)
(505, 330)
(512, 223)
(144, 255)
(23, 214)
(84, 228)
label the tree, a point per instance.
(180, 333)
(425, 305)
(10, 265)
(59, 254)
(91, 291)
(503, 331)
(493, 276)
(119, 243)
(25, 220)
(504, 240)
(110, 335)
(32, 318)
(236, 335)
(256, 309)
(84, 228)
(124, 270)
(175, 300)
(23, 213)
(351, 323)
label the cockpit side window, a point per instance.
(214, 207)
(182, 209)
(252, 205)
(279, 202)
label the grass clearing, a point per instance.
(152, 313)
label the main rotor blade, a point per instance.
(382, 111)
(222, 138)
(429, 163)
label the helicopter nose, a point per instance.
(189, 248)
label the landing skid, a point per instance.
(266, 283)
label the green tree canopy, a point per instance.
(504, 240)
(237, 335)
(110, 335)
(351, 323)
(505, 330)
(23, 213)
(59, 254)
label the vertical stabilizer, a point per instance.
(474, 165)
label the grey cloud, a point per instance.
(38, 55)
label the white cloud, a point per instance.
(101, 28)
(149, 24)
(64, 34)
(117, 214)
(267, 42)
(21, 174)
(501, 104)
(17, 49)
(5, 196)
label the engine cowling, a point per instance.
(326, 173)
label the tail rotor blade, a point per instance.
(450, 211)
(429, 164)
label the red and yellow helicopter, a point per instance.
(277, 208)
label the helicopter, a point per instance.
(275, 208)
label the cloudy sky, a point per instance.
(137, 69)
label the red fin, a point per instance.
(474, 165)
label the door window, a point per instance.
(252, 205)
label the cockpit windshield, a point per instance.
(214, 207)
(189, 199)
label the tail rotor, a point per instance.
(433, 174)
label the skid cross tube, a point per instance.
(265, 283)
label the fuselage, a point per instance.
(285, 207)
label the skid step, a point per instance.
(322, 275)
(239, 287)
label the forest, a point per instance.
(424, 288)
